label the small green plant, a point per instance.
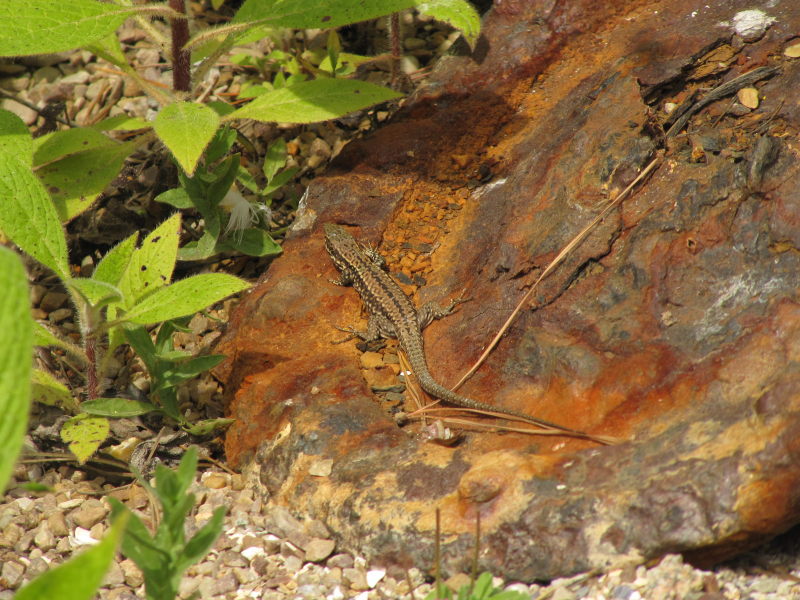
(165, 555)
(77, 164)
(480, 589)
(130, 289)
(78, 578)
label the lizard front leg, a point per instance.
(432, 310)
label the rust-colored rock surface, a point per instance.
(675, 325)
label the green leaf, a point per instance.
(42, 336)
(458, 13)
(178, 198)
(121, 122)
(275, 158)
(222, 141)
(117, 407)
(207, 426)
(84, 434)
(44, 26)
(253, 242)
(79, 577)
(150, 266)
(109, 48)
(279, 180)
(312, 101)
(186, 128)
(16, 352)
(185, 297)
(46, 389)
(322, 14)
(192, 367)
(76, 180)
(58, 144)
(197, 547)
(28, 217)
(15, 139)
(96, 293)
(112, 266)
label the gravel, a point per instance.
(266, 553)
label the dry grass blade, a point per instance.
(433, 409)
(552, 266)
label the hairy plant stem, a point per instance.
(181, 77)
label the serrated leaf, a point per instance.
(458, 13)
(117, 407)
(15, 139)
(46, 389)
(96, 293)
(80, 576)
(16, 352)
(321, 14)
(45, 26)
(186, 128)
(185, 297)
(84, 434)
(150, 266)
(113, 265)
(312, 101)
(28, 217)
(76, 180)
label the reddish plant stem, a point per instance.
(181, 78)
(91, 371)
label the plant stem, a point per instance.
(181, 80)
(394, 40)
(90, 345)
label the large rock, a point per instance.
(675, 325)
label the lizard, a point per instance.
(393, 314)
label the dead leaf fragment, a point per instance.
(748, 97)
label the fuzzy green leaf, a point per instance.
(312, 101)
(253, 242)
(275, 158)
(150, 266)
(44, 337)
(322, 14)
(117, 407)
(45, 26)
(15, 139)
(28, 217)
(16, 352)
(79, 577)
(46, 389)
(186, 128)
(75, 178)
(96, 293)
(185, 297)
(84, 434)
(458, 13)
(112, 266)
